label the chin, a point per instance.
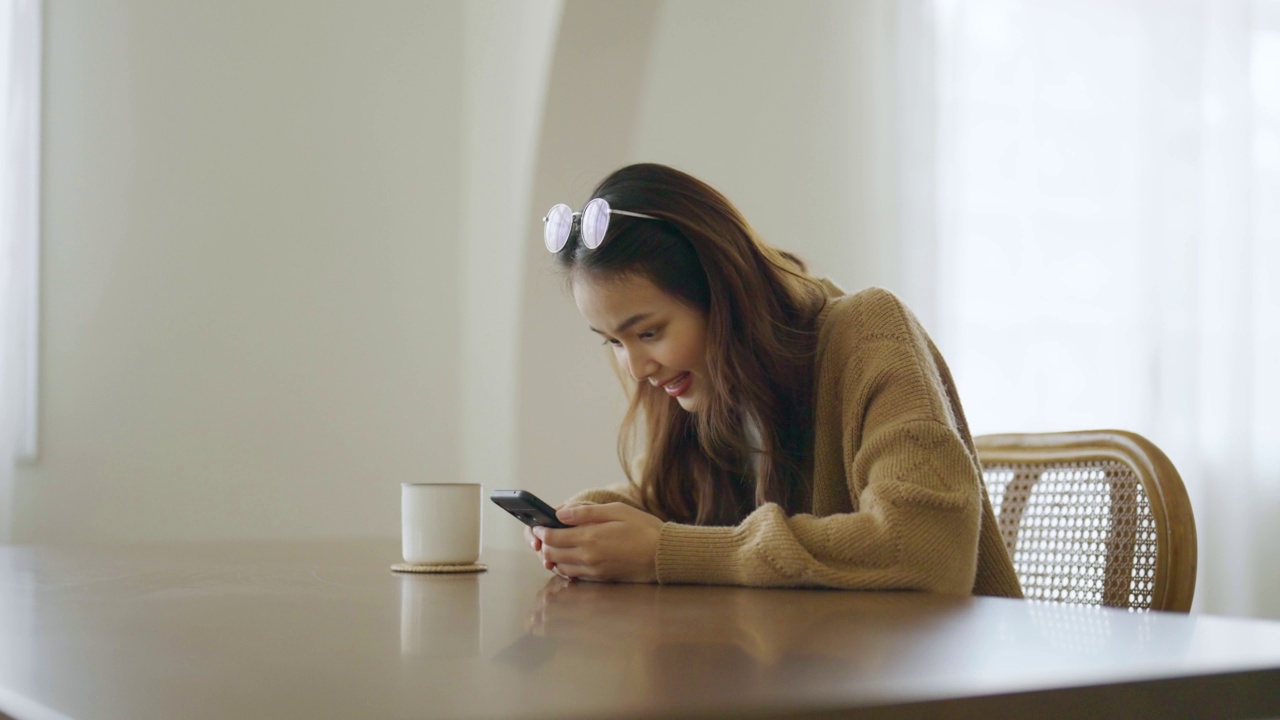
(688, 402)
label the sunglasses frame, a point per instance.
(596, 207)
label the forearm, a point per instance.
(916, 525)
(855, 551)
(623, 492)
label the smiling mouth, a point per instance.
(678, 385)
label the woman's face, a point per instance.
(658, 338)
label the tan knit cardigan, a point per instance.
(898, 498)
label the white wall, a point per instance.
(785, 108)
(292, 249)
(507, 66)
(250, 268)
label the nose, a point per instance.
(640, 364)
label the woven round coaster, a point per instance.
(411, 568)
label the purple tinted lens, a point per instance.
(556, 226)
(595, 221)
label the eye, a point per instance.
(611, 341)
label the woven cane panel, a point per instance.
(1078, 532)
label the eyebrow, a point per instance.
(638, 317)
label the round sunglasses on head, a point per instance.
(558, 224)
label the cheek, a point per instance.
(694, 358)
(699, 353)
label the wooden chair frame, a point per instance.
(1175, 571)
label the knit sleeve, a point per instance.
(916, 529)
(623, 492)
(912, 488)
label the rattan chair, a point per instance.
(1098, 517)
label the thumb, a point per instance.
(587, 514)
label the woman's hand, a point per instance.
(532, 539)
(608, 543)
(536, 544)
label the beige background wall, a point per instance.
(787, 110)
(250, 280)
(291, 248)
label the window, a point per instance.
(1102, 178)
(20, 52)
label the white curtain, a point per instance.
(1091, 218)
(20, 43)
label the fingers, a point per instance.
(533, 540)
(559, 537)
(576, 563)
(566, 557)
(552, 567)
(584, 514)
(589, 573)
(538, 547)
(602, 544)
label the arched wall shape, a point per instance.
(787, 109)
(508, 49)
(569, 402)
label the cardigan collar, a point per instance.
(833, 291)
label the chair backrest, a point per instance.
(1097, 517)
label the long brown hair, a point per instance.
(760, 306)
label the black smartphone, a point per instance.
(527, 507)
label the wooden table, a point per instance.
(319, 630)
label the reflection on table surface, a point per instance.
(326, 630)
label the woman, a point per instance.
(793, 435)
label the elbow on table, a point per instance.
(949, 568)
(950, 584)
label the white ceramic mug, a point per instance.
(440, 523)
